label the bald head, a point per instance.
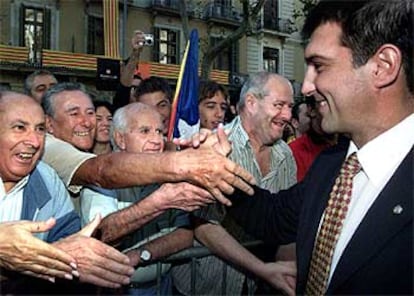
(265, 107)
(8, 98)
(258, 85)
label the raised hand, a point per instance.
(22, 252)
(98, 263)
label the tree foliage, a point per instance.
(248, 26)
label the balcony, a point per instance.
(222, 14)
(282, 25)
(170, 7)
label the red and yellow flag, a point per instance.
(111, 28)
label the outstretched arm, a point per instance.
(203, 166)
(221, 243)
(182, 196)
(164, 246)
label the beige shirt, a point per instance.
(65, 159)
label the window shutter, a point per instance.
(22, 22)
(46, 28)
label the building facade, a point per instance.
(68, 37)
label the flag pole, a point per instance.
(177, 94)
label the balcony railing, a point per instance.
(67, 62)
(282, 25)
(170, 6)
(221, 12)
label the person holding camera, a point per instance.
(129, 79)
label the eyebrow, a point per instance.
(72, 108)
(314, 57)
(26, 123)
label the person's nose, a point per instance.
(106, 122)
(308, 86)
(34, 139)
(219, 113)
(86, 120)
(156, 138)
(286, 113)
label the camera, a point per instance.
(149, 40)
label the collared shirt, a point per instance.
(11, 202)
(65, 159)
(282, 173)
(379, 159)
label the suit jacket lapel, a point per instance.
(360, 249)
(319, 183)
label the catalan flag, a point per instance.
(111, 26)
(185, 119)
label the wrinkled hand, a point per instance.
(282, 275)
(206, 165)
(183, 196)
(98, 263)
(22, 252)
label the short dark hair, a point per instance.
(368, 24)
(295, 108)
(28, 82)
(209, 88)
(153, 84)
(102, 103)
(48, 100)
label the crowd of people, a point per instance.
(92, 193)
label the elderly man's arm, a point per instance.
(183, 196)
(22, 252)
(205, 166)
(163, 246)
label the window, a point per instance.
(222, 3)
(166, 46)
(228, 58)
(95, 35)
(271, 59)
(271, 14)
(35, 32)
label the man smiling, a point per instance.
(71, 124)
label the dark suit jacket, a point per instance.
(379, 257)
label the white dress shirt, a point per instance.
(379, 159)
(11, 202)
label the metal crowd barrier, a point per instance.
(191, 254)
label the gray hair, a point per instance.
(28, 82)
(48, 101)
(122, 116)
(255, 85)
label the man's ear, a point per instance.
(250, 101)
(49, 124)
(119, 140)
(388, 63)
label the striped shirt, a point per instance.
(282, 175)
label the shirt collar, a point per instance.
(237, 127)
(381, 156)
(16, 188)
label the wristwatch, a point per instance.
(145, 255)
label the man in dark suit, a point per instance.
(360, 70)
